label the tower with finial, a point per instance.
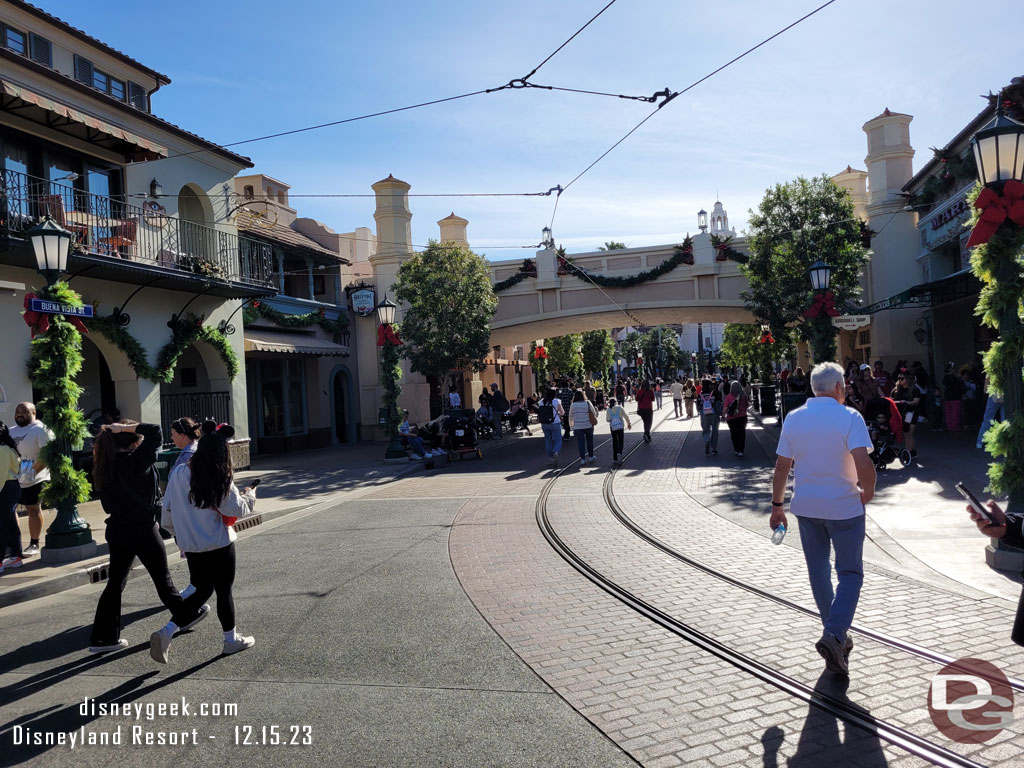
(720, 221)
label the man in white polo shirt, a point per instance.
(827, 446)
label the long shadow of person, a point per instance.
(70, 718)
(821, 742)
(772, 739)
(71, 642)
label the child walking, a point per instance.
(616, 417)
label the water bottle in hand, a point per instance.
(779, 535)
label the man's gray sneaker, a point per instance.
(832, 650)
(848, 647)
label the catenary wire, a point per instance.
(571, 38)
(673, 95)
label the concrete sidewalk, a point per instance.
(917, 518)
(289, 482)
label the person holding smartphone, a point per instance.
(1010, 528)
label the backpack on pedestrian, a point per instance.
(707, 405)
(546, 412)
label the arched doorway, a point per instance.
(343, 406)
(195, 224)
(194, 391)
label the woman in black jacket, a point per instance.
(124, 477)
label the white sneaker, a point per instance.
(159, 644)
(418, 457)
(12, 562)
(107, 648)
(31, 550)
(240, 643)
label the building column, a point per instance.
(309, 277)
(279, 255)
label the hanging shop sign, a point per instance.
(851, 322)
(363, 302)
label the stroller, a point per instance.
(886, 429)
(461, 437)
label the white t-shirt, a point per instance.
(677, 390)
(30, 440)
(819, 436)
(580, 414)
(454, 400)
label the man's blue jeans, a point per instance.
(818, 537)
(552, 438)
(993, 410)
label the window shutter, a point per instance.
(83, 70)
(137, 96)
(41, 50)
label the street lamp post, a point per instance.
(51, 245)
(821, 312)
(999, 230)
(389, 342)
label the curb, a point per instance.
(96, 571)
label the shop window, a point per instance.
(282, 397)
(247, 192)
(864, 338)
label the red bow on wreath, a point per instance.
(767, 338)
(823, 302)
(39, 322)
(995, 209)
(386, 335)
(540, 353)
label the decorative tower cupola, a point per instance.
(720, 221)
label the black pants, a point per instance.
(738, 433)
(617, 439)
(214, 571)
(646, 416)
(678, 404)
(520, 420)
(10, 534)
(127, 543)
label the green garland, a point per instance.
(258, 310)
(189, 331)
(391, 380)
(56, 359)
(129, 346)
(527, 269)
(998, 264)
(725, 252)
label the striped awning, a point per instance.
(262, 340)
(75, 116)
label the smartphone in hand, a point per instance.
(975, 504)
(255, 482)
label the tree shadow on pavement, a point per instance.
(823, 742)
(70, 718)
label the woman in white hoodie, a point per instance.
(200, 506)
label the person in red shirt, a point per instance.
(645, 407)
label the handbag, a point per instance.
(26, 473)
(592, 413)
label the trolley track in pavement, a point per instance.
(843, 710)
(881, 637)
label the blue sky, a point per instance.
(794, 107)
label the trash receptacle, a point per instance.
(165, 459)
(766, 394)
(793, 400)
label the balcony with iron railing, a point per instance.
(134, 243)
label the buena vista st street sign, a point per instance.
(56, 308)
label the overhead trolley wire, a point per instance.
(673, 95)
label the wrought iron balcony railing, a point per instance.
(109, 227)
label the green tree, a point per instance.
(447, 326)
(598, 352)
(612, 245)
(796, 224)
(659, 347)
(565, 354)
(741, 345)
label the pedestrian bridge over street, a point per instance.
(553, 304)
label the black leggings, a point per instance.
(738, 433)
(646, 416)
(214, 571)
(617, 439)
(127, 543)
